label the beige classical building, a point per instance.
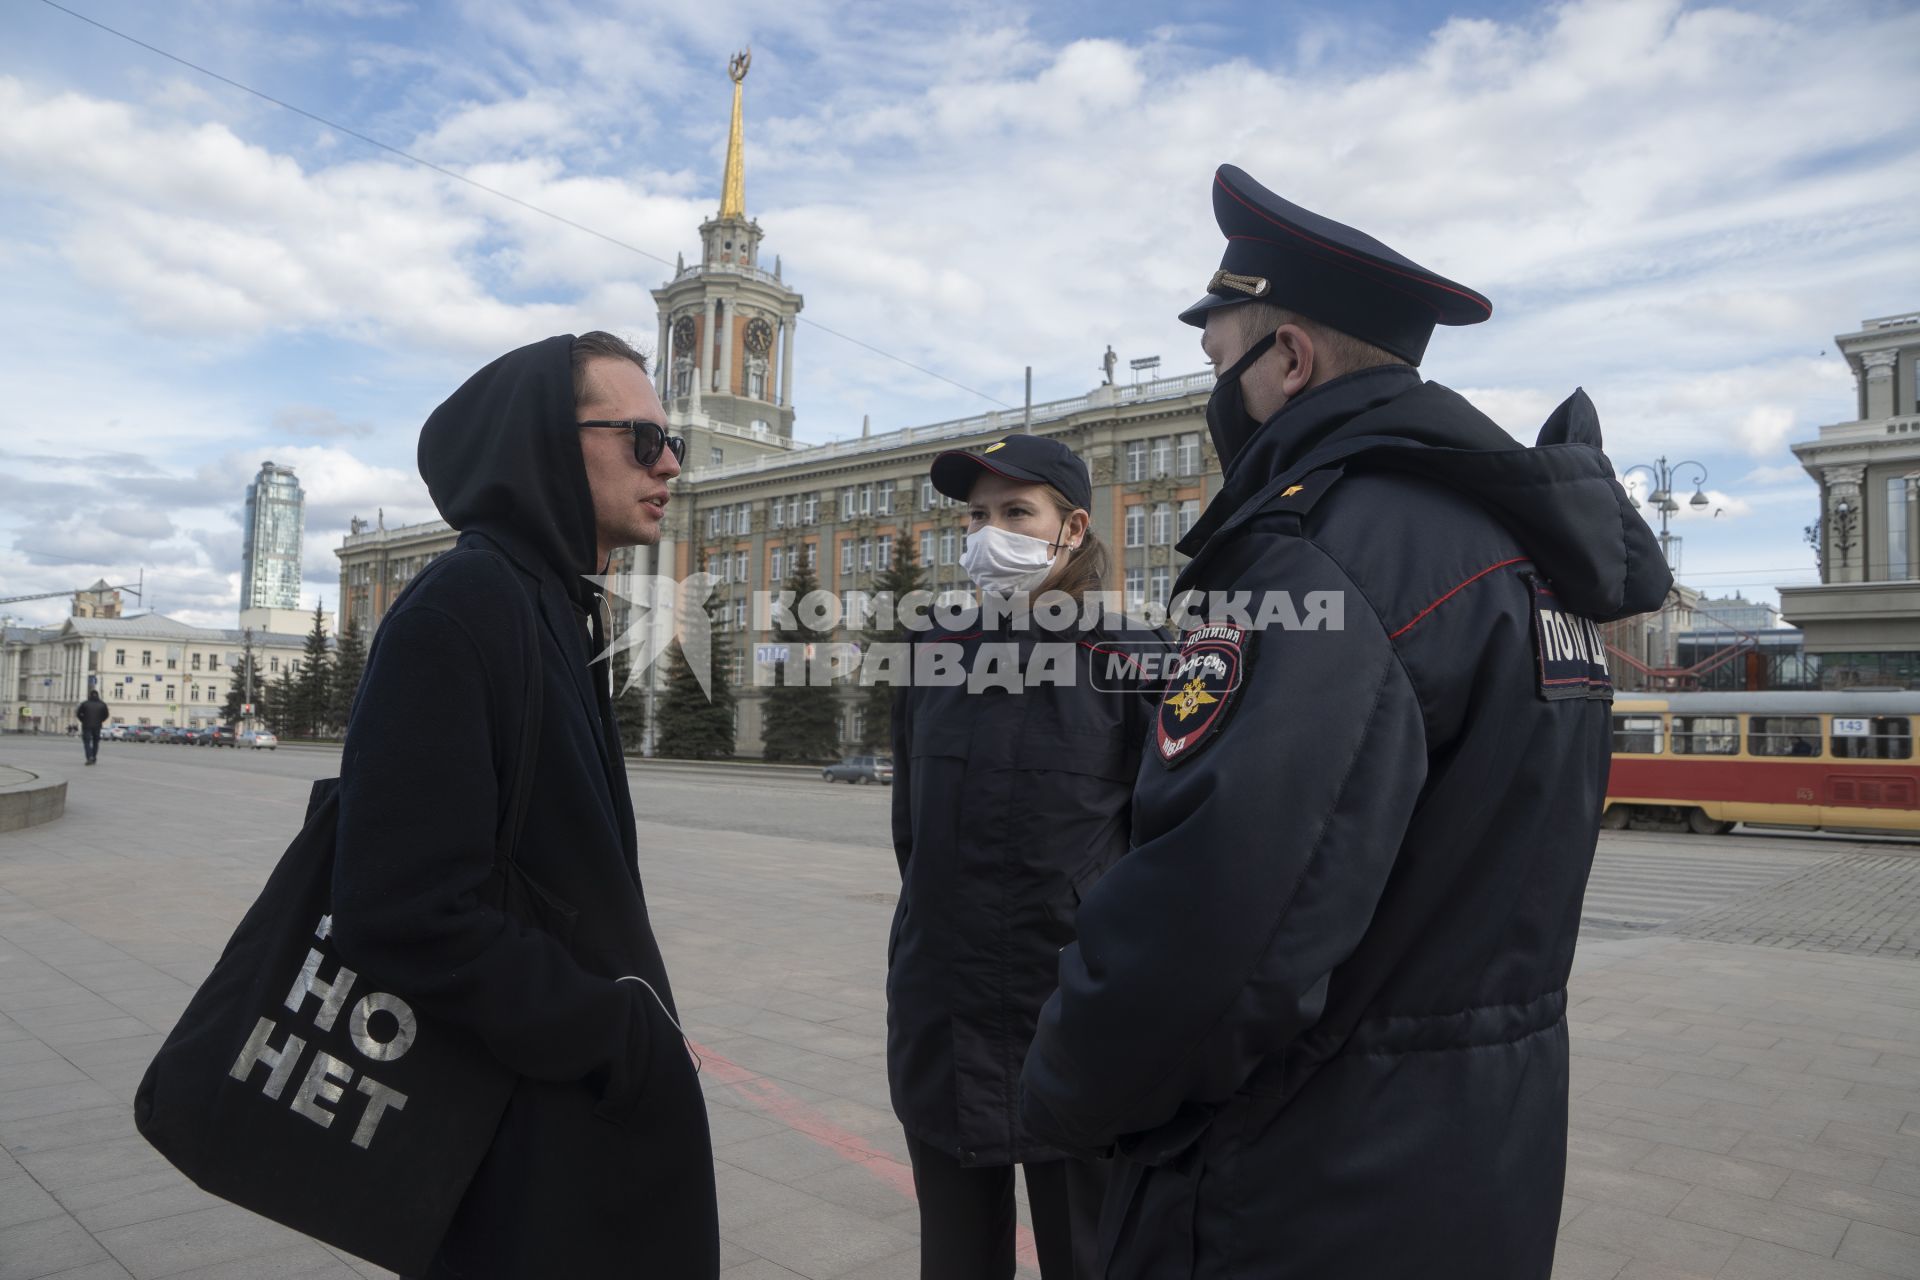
(752, 504)
(1863, 620)
(150, 669)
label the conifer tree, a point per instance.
(802, 717)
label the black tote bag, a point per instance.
(299, 1089)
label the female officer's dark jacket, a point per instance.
(1006, 808)
(1321, 1004)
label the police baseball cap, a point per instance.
(1029, 459)
(1291, 257)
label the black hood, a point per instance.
(1559, 499)
(502, 457)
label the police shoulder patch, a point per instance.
(1207, 675)
(1570, 655)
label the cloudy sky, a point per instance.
(1674, 205)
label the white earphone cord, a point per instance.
(684, 1037)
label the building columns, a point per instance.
(786, 363)
(1845, 540)
(1877, 372)
(723, 376)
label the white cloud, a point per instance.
(1673, 206)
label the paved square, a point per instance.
(1746, 1029)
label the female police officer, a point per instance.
(1007, 805)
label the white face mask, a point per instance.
(1002, 561)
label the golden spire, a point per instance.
(733, 196)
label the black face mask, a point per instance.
(1228, 421)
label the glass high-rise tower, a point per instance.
(270, 547)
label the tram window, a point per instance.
(1637, 735)
(1873, 738)
(1706, 735)
(1783, 735)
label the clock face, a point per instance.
(683, 332)
(759, 337)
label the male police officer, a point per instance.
(1319, 1008)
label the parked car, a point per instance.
(259, 738)
(221, 735)
(861, 769)
(140, 733)
(115, 732)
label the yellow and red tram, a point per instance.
(1823, 761)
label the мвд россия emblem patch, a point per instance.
(1201, 690)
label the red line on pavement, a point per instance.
(775, 1102)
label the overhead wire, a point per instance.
(445, 172)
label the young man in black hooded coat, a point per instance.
(545, 460)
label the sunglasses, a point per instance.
(649, 438)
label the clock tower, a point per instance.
(725, 354)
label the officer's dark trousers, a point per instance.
(90, 739)
(967, 1216)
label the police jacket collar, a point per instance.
(1289, 434)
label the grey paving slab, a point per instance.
(1742, 1109)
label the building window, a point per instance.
(777, 514)
(713, 524)
(1162, 458)
(778, 563)
(1190, 454)
(196, 662)
(883, 556)
(813, 555)
(793, 509)
(886, 499)
(714, 564)
(1899, 512)
(846, 556)
(145, 689)
(812, 511)
(716, 455)
(1162, 523)
(846, 504)
(193, 693)
(743, 518)
(946, 545)
(1159, 584)
(169, 693)
(926, 495)
(1136, 525)
(866, 499)
(1136, 588)
(1783, 735)
(740, 615)
(866, 555)
(146, 657)
(739, 566)
(119, 657)
(926, 546)
(173, 663)
(213, 662)
(1136, 460)
(1189, 513)
(273, 665)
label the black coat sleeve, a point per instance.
(902, 779)
(1256, 868)
(411, 899)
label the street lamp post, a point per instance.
(1661, 497)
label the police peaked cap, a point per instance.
(1028, 459)
(1279, 253)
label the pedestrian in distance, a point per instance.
(91, 714)
(546, 461)
(1319, 1008)
(1007, 806)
